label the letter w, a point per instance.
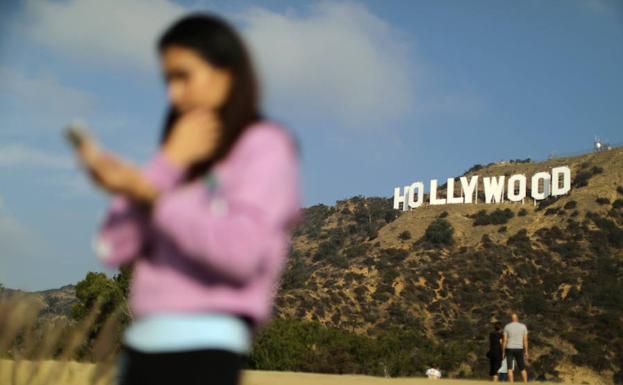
(494, 189)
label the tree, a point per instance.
(103, 297)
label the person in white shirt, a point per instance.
(515, 346)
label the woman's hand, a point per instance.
(115, 175)
(194, 136)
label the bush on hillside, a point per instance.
(405, 235)
(602, 201)
(440, 232)
(496, 217)
(570, 205)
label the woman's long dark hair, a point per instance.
(219, 44)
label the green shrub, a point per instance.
(313, 220)
(552, 210)
(474, 168)
(293, 345)
(389, 276)
(534, 301)
(486, 240)
(496, 217)
(520, 240)
(297, 273)
(391, 256)
(582, 177)
(405, 235)
(602, 201)
(439, 232)
(357, 250)
(326, 249)
(570, 205)
(608, 231)
(360, 291)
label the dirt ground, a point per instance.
(74, 373)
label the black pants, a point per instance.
(495, 361)
(515, 355)
(206, 367)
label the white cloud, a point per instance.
(23, 252)
(111, 32)
(12, 234)
(59, 170)
(603, 6)
(338, 60)
(31, 102)
(16, 240)
(43, 91)
(334, 60)
(18, 155)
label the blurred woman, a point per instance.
(206, 223)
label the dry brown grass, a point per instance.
(30, 345)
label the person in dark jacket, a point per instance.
(495, 351)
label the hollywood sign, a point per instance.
(494, 189)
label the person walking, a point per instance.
(494, 354)
(515, 347)
(207, 222)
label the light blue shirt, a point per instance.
(169, 332)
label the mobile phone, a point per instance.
(76, 135)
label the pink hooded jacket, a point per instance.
(218, 244)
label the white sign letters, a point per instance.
(495, 189)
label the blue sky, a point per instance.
(379, 93)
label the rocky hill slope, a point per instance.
(449, 271)
(53, 303)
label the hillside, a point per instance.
(54, 303)
(362, 266)
(390, 292)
